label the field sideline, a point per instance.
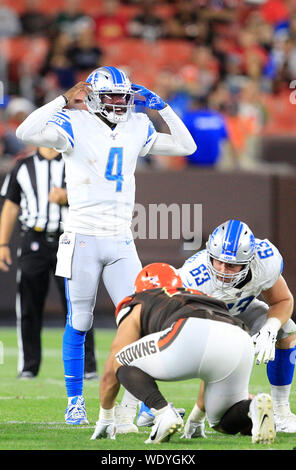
(32, 411)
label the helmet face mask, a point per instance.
(112, 96)
(231, 243)
(228, 280)
(156, 275)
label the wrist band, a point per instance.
(4, 244)
(106, 414)
(66, 99)
(274, 322)
(197, 414)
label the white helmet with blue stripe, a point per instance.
(234, 243)
(112, 95)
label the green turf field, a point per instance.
(32, 411)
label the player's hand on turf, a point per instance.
(5, 258)
(193, 429)
(265, 340)
(152, 100)
(105, 428)
(76, 91)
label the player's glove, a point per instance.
(152, 100)
(195, 424)
(265, 340)
(193, 429)
(105, 428)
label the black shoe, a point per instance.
(26, 374)
(91, 375)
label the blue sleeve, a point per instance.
(63, 121)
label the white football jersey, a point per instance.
(100, 164)
(266, 268)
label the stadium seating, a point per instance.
(25, 50)
(144, 58)
(49, 7)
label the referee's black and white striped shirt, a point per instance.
(28, 186)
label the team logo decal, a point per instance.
(65, 240)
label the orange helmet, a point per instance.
(157, 275)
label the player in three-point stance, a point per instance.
(169, 333)
(236, 267)
(100, 146)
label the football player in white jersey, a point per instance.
(100, 146)
(236, 267)
(168, 333)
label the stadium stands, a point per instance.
(225, 43)
(242, 54)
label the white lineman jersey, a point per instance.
(266, 268)
(100, 164)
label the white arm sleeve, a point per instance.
(179, 142)
(34, 130)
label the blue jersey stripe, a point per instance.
(63, 115)
(71, 141)
(151, 131)
(65, 124)
(69, 304)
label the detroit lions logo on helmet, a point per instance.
(112, 96)
(234, 243)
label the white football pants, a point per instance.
(115, 259)
(219, 353)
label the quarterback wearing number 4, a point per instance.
(236, 267)
(100, 146)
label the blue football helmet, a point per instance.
(234, 243)
(108, 83)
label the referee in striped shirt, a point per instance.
(35, 193)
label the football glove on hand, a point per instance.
(105, 428)
(152, 100)
(193, 429)
(265, 340)
(195, 425)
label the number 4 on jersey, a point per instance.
(115, 163)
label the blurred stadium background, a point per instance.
(237, 57)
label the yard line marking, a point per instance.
(56, 424)
(21, 397)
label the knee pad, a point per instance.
(287, 329)
(82, 321)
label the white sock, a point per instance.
(129, 400)
(197, 415)
(280, 394)
(106, 414)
